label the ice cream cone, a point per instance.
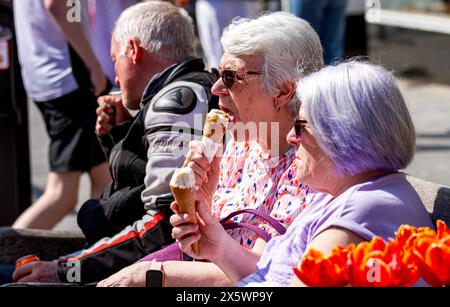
(185, 199)
(183, 189)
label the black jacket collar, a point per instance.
(171, 73)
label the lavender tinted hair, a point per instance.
(358, 117)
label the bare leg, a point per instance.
(100, 178)
(59, 198)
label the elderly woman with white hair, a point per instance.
(256, 81)
(352, 135)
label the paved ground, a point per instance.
(430, 108)
(421, 59)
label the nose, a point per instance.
(292, 138)
(116, 80)
(219, 89)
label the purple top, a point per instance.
(374, 208)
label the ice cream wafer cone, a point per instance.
(185, 199)
(183, 189)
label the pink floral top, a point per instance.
(266, 184)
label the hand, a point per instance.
(206, 173)
(131, 276)
(98, 80)
(208, 232)
(38, 271)
(110, 113)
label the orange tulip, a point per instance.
(407, 235)
(404, 234)
(415, 252)
(315, 270)
(380, 264)
(442, 230)
(432, 254)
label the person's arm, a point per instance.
(207, 274)
(75, 35)
(215, 244)
(259, 246)
(107, 256)
(113, 122)
(176, 274)
(194, 274)
(206, 173)
(37, 271)
(110, 113)
(326, 241)
(237, 262)
(165, 146)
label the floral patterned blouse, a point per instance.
(266, 184)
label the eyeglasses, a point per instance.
(229, 77)
(298, 123)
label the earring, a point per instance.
(276, 105)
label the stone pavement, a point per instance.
(422, 60)
(430, 109)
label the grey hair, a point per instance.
(287, 46)
(358, 117)
(161, 28)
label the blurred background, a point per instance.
(410, 37)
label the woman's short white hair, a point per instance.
(287, 46)
(358, 117)
(161, 28)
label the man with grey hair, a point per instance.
(151, 49)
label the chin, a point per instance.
(305, 179)
(303, 174)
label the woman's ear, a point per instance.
(135, 50)
(285, 93)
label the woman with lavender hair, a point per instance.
(352, 135)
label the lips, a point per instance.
(230, 113)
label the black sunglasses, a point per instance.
(229, 77)
(298, 123)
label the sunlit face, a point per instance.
(245, 101)
(125, 77)
(312, 163)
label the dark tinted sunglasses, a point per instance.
(229, 77)
(298, 124)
